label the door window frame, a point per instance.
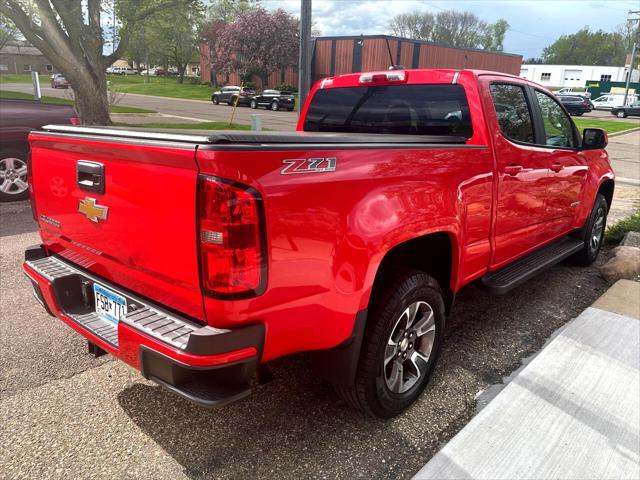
(539, 132)
(527, 96)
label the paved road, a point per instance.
(195, 110)
(66, 415)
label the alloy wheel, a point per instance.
(597, 230)
(409, 347)
(13, 176)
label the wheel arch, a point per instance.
(606, 189)
(338, 365)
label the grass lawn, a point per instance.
(190, 126)
(23, 78)
(610, 126)
(160, 86)
(66, 101)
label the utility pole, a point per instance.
(633, 55)
(304, 62)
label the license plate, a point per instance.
(109, 305)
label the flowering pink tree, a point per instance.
(258, 42)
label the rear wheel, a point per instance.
(13, 176)
(593, 233)
(621, 114)
(401, 344)
(253, 104)
(274, 106)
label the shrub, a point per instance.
(192, 80)
(206, 83)
(286, 88)
(615, 233)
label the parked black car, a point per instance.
(229, 94)
(576, 105)
(274, 100)
(629, 110)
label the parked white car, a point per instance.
(121, 71)
(612, 100)
(571, 91)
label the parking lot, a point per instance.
(68, 415)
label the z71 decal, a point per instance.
(308, 165)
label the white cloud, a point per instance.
(534, 24)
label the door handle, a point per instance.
(556, 167)
(512, 170)
(90, 176)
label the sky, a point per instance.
(533, 24)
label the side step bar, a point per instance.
(518, 272)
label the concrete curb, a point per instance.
(617, 134)
(572, 412)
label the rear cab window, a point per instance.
(433, 109)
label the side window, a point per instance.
(558, 130)
(513, 112)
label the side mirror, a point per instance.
(594, 139)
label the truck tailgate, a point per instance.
(140, 232)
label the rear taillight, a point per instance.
(74, 121)
(231, 230)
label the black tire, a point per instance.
(370, 392)
(579, 114)
(275, 106)
(15, 159)
(594, 226)
(216, 100)
(621, 114)
(253, 104)
(231, 100)
(289, 109)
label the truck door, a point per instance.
(560, 142)
(523, 174)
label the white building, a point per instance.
(575, 75)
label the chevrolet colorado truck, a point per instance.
(197, 258)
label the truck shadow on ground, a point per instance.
(297, 427)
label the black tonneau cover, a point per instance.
(222, 137)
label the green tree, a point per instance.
(70, 34)
(587, 48)
(8, 31)
(450, 27)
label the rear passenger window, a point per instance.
(513, 112)
(558, 130)
(399, 109)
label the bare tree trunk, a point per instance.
(92, 102)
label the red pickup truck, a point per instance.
(198, 258)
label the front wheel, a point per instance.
(401, 344)
(593, 233)
(274, 106)
(13, 176)
(253, 104)
(216, 100)
(621, 114)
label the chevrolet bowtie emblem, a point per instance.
(90, 209)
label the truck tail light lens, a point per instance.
(74, 121)
(232, 240)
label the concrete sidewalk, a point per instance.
(572, 413)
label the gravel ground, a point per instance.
(67, 415)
